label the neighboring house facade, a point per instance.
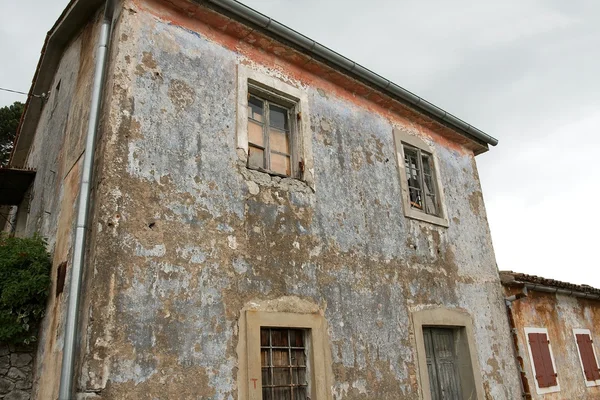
(268, 220)
(554, 327)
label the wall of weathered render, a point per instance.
(185, 236)
(559, 314)
(16, 371)
(56, 155)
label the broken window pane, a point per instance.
(256, 157)
(280, 164)
(255, 133)
(415, 198)
(421, 183)
(255, 108)
(278, 117)
(278, 141)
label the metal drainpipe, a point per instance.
(67, 374)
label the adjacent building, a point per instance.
(554, 326)
(267, 219)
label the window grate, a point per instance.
(284, 364)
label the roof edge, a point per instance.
(72, 19)
(249, 15)
(534, 282)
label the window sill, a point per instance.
(264, 178)
(421, 216)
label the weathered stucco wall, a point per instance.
(185, 236)
(56, 155)
(559, 314)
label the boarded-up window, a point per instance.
(588, 357)
(284, 364)
(542, 360)
(442, 365)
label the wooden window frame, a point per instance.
(252, 81)
(269, 98)
(470, 373)
(588, 383)
(429, 333)
(306, 347)
(316, 350)
(538, 389)
(402, 139)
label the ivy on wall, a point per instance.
(24, 286)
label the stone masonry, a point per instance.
(16, 366)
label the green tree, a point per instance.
(9, 121)
(24, 285)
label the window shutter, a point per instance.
(586, 351)
(540, 351)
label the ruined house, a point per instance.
(266, 219)
(554, 324)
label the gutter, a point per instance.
(247, 14)
(71, 325)
(567, 292)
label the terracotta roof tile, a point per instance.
(510, 278)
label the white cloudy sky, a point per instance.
(524, 71)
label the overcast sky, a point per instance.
(525, 71)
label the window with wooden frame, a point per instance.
(442, 363)
(420, 175)
(542, 360)
(587, 357)
(422, 194)
(447, 361)
(271, 128)
(286, 357)
(284, 363)
(273, 132)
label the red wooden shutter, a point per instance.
(586, 351)
(540, 351)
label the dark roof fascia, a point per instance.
(14, 183)
(281, 32)
(79, 12)
(510, 278)
(73, 18)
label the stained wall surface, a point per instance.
(50, 208)
(559, 314)
(185, 236)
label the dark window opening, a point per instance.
(442, 364)
(284, 364)
(422, 187)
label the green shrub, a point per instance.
(24, 286)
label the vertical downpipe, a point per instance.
(67, 375)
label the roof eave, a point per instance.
(249, 16)
(73, 18)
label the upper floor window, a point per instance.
(270, 130)
(273, 126)
(542, 360)
(422, 194)
(587, 357)
(421, 182)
